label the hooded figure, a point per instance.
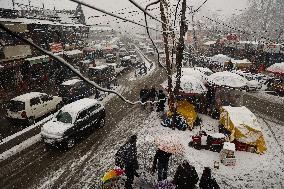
(207, 181)
(162, 101)
(144, 95)
(126, 158)
(186, 176)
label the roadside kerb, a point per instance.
(17, 138)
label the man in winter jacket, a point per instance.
(126, 158)
(144, 95)
(162, 101)
(162, 160)
(185, 177)
(207, 181)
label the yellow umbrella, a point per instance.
(111, 174)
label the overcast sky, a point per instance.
(225, 8)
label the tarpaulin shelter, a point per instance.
(277, 68)
(243, 126)
(187, 110)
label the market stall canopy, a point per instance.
(228, 79)
(189, 85)
(194, 73)
(243, 126)
(277, 68)
(245, 63)
(219, 59)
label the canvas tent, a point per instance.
(243, 126)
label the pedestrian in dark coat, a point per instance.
(162, 101)
(161, 160)
(186, 176)
(144, 95)
(207, 181)
(152, 96)
(126, 158)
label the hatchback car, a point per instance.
(110, 58)
(71, 122)
(75, 89)
(30, 106)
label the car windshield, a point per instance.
(16, 106)
(64, 117)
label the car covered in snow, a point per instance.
(150, 51)
(71, 122)
(75, 89)
(30, 106)
(110, 58)
(122, 52)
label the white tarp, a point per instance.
(229, 79)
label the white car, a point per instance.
(252, 84)
(30, 106)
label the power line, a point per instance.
(111, 14)
(145, 12)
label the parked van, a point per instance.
(103, 74)
(71, 121)
(30, 106)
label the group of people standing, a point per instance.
(150, 95)
(185, 176)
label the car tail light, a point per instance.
(24, 114)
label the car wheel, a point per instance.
(102, 123)
(31, 120)
(70, 143)
(58, 106)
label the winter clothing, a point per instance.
(206, 181)
(162, 159)
(185, 177)
(162, 101)
(126, 157)
(144, 95)
(152, 96)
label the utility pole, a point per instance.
(13, 2)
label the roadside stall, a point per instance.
(277, 69)
(244, 64)
(243, 129)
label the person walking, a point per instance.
(161, 103)
(161, 160)
(207, 181)
(126, 158)
(186, 176)
(144, 94)
(152, 97)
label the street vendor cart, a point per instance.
(242, 128)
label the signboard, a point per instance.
(17, 51)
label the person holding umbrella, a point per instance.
(126, 158)
(167, 145)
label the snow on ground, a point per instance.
(251, 170)
(16, 149)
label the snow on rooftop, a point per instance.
(241, 116)
(244, 61)
(79, 105)
(37, 58)
(27, 96)
(72, 52)
(71, 82)
(99, 67)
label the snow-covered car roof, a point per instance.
(99, 67)
(79, 105)
(71, 82)
(126, 58)
(26, 97)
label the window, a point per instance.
(16, 106)
(45, 98)
(64, 117)
(82, 114)
(35, 101)
(94, 108)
